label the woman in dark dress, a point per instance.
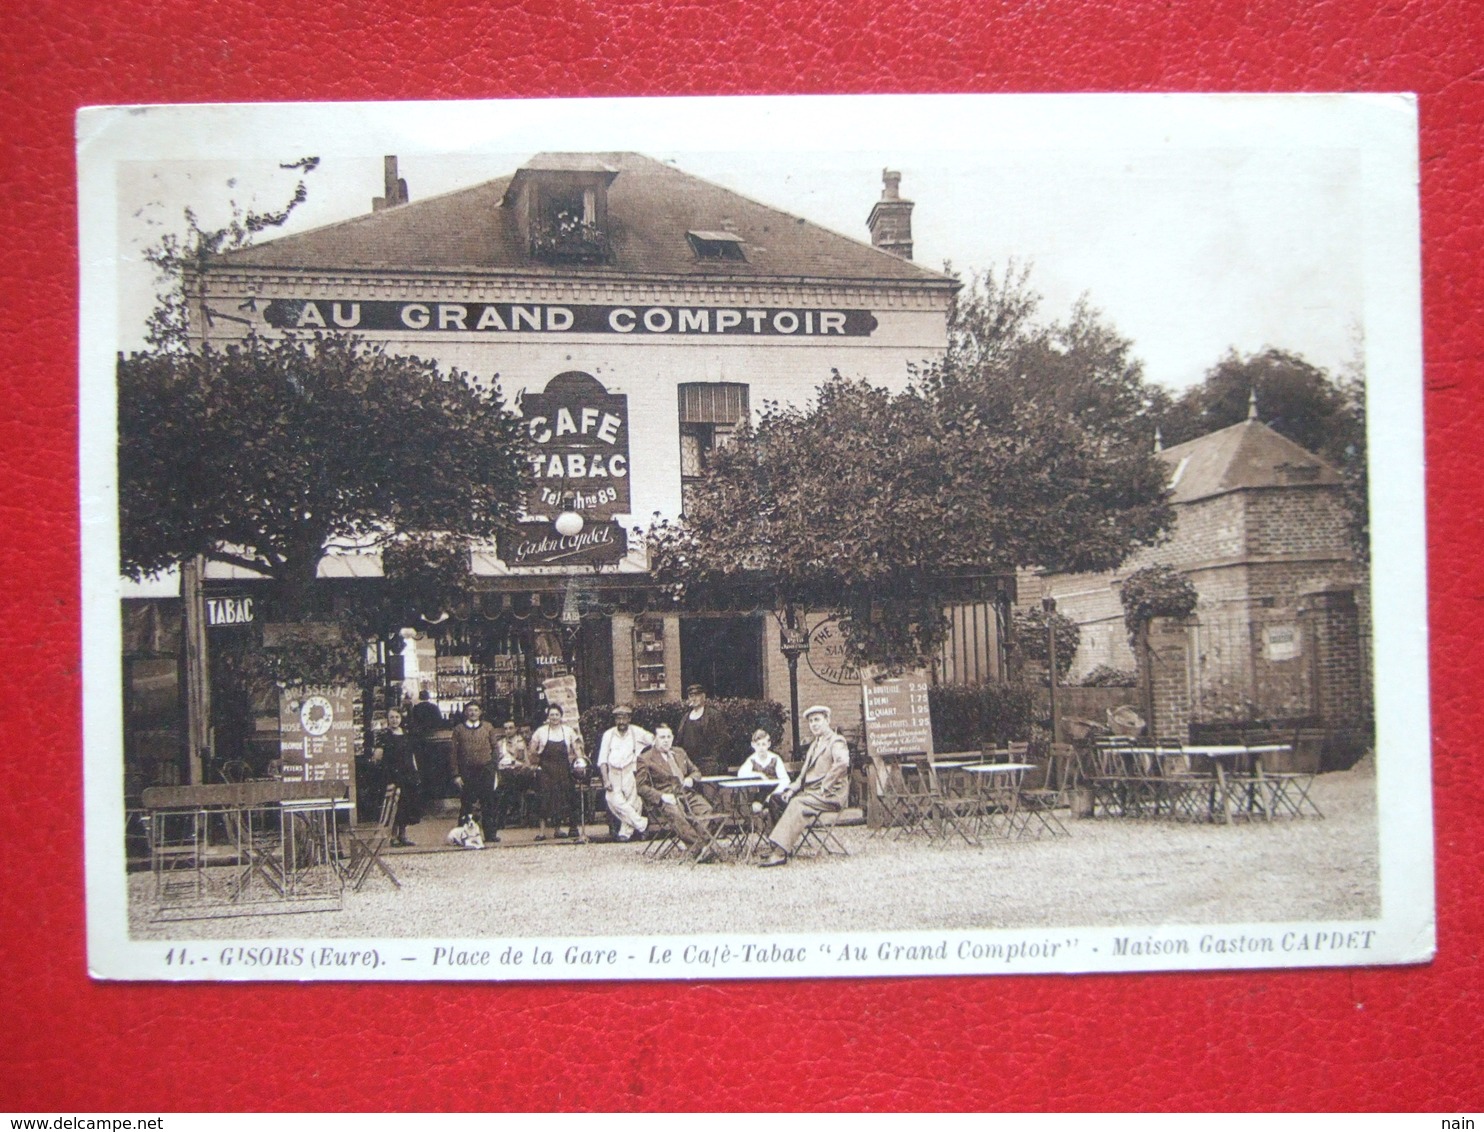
(558, 747)
(399, 756)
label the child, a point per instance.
(764, 762)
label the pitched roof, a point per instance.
(1246, 455)
(651, 207)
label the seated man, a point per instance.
(823, 786)
(518, 773)
(667, 781)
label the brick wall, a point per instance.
(1251, 555)
(1164, 673)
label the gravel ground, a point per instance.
(1108, 872)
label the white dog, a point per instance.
(466, 836)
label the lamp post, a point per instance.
(1048, 606)
(794, 642)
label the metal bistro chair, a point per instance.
(950, 811)
(176, 840)
(909, 795)
(1288, 790)
(820, 839)
(1111, 783)
(368, 843)
(1039, 804)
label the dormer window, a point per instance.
(717, 246)
(1298, 473)
(561, 205)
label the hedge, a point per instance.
(966, 716)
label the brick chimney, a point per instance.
(890, 221)
(395, 187)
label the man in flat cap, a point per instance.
(700, 734)
(823, 786)
(618, 762)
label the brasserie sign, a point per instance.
(546, 318)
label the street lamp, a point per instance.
(1048, 607)
(794, 643)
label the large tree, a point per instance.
(266, 454)
(875, 504)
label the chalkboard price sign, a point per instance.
(898, 721)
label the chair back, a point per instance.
(1061, 767)
(389, 808)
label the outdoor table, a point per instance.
(997, 786)
(1250, 782)
(300, 863)
(753, 827)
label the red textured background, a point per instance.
(1379, 1038)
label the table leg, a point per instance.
(1226, 802)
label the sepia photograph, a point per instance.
(755, 537)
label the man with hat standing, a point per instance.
(823, 786)
(700, 734)
(618, 758)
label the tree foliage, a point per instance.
(266, 454)
(870, 502)
(1155, 591)
(181, 260)
(1030, 641)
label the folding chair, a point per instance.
(368, 843)
(819, 838)
(950, 812)
(716, 830)
(908, 796)
(1288, 790)
(1114, 789)
(1040, 803)
(176, 841)
(663, 841)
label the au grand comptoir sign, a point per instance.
(546, 318)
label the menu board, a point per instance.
(898, 721)
(317, 733)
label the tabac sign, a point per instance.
(579, 448)
(543, 318)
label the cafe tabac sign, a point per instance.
(579, 435)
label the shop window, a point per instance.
(710, 413)
(649, 656)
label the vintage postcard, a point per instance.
(723, 538)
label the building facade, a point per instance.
(636, 314)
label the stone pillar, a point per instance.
(1331, 621)
(1164, 676)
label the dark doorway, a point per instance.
(724, 654)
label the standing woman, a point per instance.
(558, 747)
(399, 756)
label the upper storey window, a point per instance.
(561, 206)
